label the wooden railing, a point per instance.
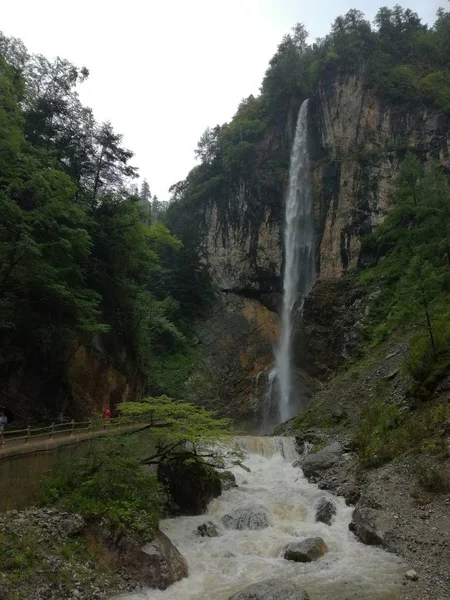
(60, 430)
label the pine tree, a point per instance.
(145, 197)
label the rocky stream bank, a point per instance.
(389, 512)
(47, 554)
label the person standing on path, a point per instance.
(107, 414)
(3, 421)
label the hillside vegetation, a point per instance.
(80, 258)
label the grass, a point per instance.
(431, 478)
(384, 433)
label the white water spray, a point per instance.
(221, 566)
(299, 268)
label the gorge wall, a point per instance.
(357, 143)
(95, 374)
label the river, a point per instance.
(223, 565)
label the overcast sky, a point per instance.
(164, 70)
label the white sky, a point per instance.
(164, 70)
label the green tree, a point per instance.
(182, 431)
(417, 291)
(44, 248)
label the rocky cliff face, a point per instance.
(357, 144)
(236, 352)
(241, 258)
(360, 143)
(92, 377)
(94, 382)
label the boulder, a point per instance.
(228, 480)
(157, 564)
(208, 529)
(325, 510)
(272, 589)
(317, 462)
(247, 517)
(371, 525)
(306, 550)
(191, 485)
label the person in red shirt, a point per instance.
(107, 414)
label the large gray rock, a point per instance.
(228, 480)
(157, 564)
(371, 525)
(163, 561)
(317, 462)
(272, 589)
(191, 486)
(208, 529)
(247, 517)
(325, 511)
(306, 550)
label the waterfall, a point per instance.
(299, 268)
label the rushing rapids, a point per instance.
(221, 566)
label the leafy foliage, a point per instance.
(110, 482)
(78, 254)
(412, 250)
(383, 433)
(400, 58)
(182, 431)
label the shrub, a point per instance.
(373, 435)
(384, 433)
(110, 482)
(435, 88)
(425, 364)
(430, 478)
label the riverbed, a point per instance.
(221, 566)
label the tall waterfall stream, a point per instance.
(299, 267)
(283, 399)
(221, 566)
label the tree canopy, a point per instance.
(81, 255)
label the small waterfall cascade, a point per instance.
(299, 267)
(274, 489)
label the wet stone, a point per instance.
(247, 517)
(325, 511)
(306, 550)
(208, 529)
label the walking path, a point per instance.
(26, 441)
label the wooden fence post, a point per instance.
(52, 430)
(73, 427)
(2, 439)
(28, 434)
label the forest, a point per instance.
(405, 261)
(402, 59)
(82, 253)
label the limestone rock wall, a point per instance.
(93, 377)
(240, 259)
(359, 146)
(235, 344)
(93, 383)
